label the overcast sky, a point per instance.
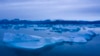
(50, 9)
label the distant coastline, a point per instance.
(18, 21)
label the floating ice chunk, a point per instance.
(88, 34)
(78, 37)
(75, 39)
(60, 29)
(23, 40)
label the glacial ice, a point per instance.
(23, 40)
(34, 42)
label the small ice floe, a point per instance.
(65, 29)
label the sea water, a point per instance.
(49, 40)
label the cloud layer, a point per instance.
(50, 9)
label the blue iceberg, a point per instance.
(20, 40)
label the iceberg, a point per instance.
(20, 40)
(23, 40)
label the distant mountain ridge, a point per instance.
(17, 21)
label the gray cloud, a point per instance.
(54, 9)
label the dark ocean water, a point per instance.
(90, 48)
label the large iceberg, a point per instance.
(21, 40)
